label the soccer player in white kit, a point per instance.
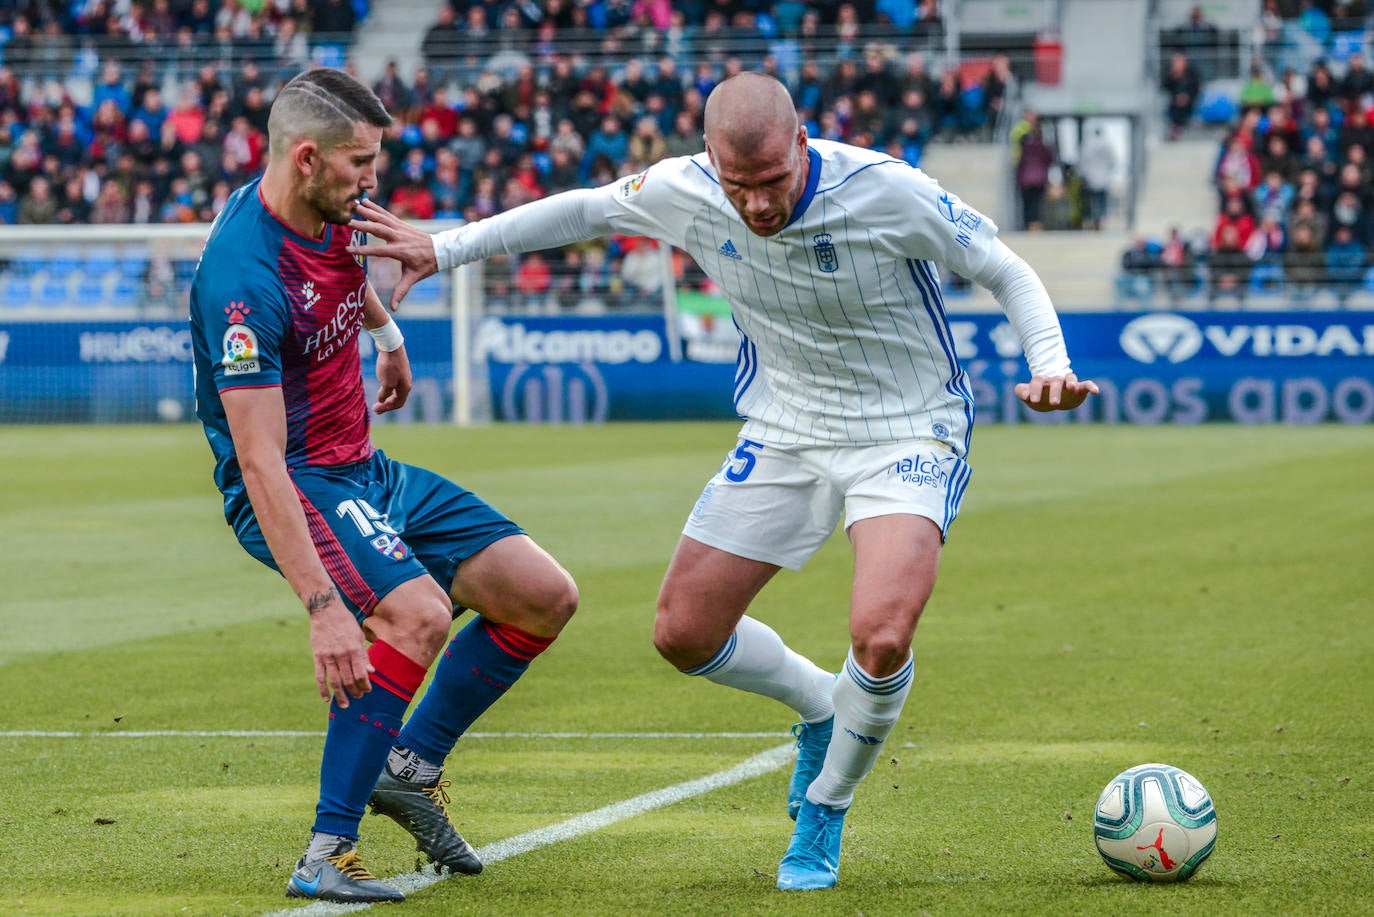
(854, 401)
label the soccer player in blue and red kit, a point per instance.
(379, 552)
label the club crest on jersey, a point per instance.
(309, 295)
(391, 546)
(359, 238)
(827, 259)
(240, 350)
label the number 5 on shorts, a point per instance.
(741, 461)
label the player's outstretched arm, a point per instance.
(1055, 393)
(413, 248)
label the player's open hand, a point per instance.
(413, 248)
(341, 666)
(393, 372)
(1055, 393)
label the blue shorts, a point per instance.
(377, 524)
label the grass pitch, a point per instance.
(1110, 596)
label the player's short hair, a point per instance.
(322, 105)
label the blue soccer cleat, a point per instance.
(813, 858)
(812, 741)
(340, 877)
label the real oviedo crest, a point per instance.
(827, 259)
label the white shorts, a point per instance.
(779, 504)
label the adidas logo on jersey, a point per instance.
(729, 251)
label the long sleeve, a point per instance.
(561, 219)
(1023, 297)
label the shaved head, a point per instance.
(747, 110)
(758, 149)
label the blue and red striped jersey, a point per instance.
(270, 307)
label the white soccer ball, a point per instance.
(1155, 823)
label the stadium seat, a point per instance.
(26, 264)
(100, 260)
(426, 292)
(126, 292)
(1265, 277)
(18, 290)
(54, 292)
(183, 269)
(91, 291)
(1344, 44)
(133, 265)
(1217, 107)
(64, 262)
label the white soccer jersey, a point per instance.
(844, 337)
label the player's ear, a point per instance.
(307, 157)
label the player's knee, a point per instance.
(684, 647)
(559, 600)
(881, 653)
(545, 605)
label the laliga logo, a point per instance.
(1168, 337)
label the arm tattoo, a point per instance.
(319, 600)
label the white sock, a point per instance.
(866, 709)
(755, 659)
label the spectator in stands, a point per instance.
(1033, 161)
(1273, 197)
(1345, 263)
(1238, 170)
(533, 279)
(607, 142)
(1357, 84)
(647, 146)
(996, 83)
(37, 205)
(1279, 157)
(1097, 166)
(1304, 265)
(1139, 265)
(1350, 211)
(1321, 86)
(1235, 214)
(1183, 86)
(111, 206)
(332, 21)
(1177, 266)
(1257, 92)
(685, 140)
(1200, 39)
(949, 107)
(1228, 266)
(391, 88)
(1356, 130)
(9, 204)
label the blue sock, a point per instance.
(480, 664)
(359, 738)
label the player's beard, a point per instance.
(320, 196)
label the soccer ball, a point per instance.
(1155, 823)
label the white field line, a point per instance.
(763, 763)
(294, 733)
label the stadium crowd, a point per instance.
(154, 111)
(1295, 211)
